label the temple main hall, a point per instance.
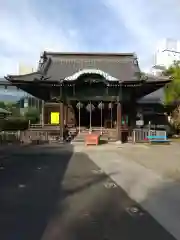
(94, 92)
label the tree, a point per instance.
(172, 93)
(2, 105)
(172, 89)
(32, 115)
(13, 108)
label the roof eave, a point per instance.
(163, 82)
(13, 78)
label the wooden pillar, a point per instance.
(42, 114)
(67, 111)
(119, 122)
(61, 120)
(65, 114)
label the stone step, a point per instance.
(105, 137)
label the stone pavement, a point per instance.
(157, 194)
(50, 194)
(163, 159)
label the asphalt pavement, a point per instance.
(51, 193)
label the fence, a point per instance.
(40, 136)
(141, 135)
(28, 136)
(9, 137)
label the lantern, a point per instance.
(101, 105)
(90, 107)
(79, 105)
(110, 105)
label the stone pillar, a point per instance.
(61, 119)
(119, 122)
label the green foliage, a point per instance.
(172, 93)
(13, 124)
(2, 105)
(172, 90)
(16, 121)
(175, 115)
(11, 107)
(32, 115)
(14, 109)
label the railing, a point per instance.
(39, 136)
(9, 137)
(48, 135)
(45, 126)
(28, 136)
(141, 135)
(36, 125)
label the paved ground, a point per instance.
(163, 159)
(159, 195)
(49, 193)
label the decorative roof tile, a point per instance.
(80, 73)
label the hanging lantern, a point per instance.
(79, 105)
(90, 107)
(110, 105)
(101, 105)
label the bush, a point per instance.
(32, 115)
(13, 124)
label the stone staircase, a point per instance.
(80, 136)
(107, 136)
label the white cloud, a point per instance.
(147, 22)
(23, 36)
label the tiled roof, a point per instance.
(121, 66)
(154, 97)
(26, 77)
(62, 66)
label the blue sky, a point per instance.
(28, 27)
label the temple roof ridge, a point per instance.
(121, 54)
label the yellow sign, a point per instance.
(54, 117)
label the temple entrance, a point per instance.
(95, 114)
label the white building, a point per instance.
(168, 51)
(25, 69)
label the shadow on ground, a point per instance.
(51, 192)
(34, 182)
